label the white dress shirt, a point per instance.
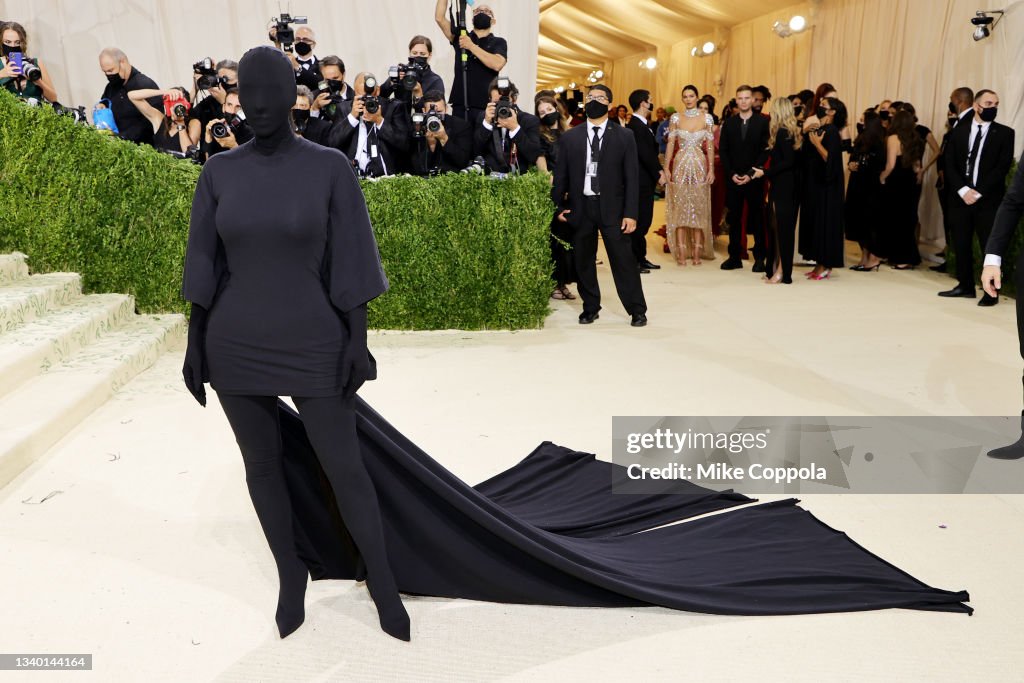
(985, 125)
(590, 136)
(362, 158)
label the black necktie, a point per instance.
(595, 158)
(972, 160)
(375, 165)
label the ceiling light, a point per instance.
(599, 74)
(709, 48)
(651, 63)
(797, 24)
(560, 89)
(572, 86)
(693, 52)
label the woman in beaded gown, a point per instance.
(689, 161)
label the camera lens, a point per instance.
(219, 130)
(434, 124)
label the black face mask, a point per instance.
(481, 21)
(422, 61)
(989, 114)
(822, 111)
(595, 109)
(798, 110)
(952, 108)
(8, 49)
(303, 49)
(115, 80)
(884, 114)
(550, 118)
(301, 119)
(266, 91)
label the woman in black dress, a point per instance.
(904, 150)
(814, 111)
(864, 207)
(552, 125)
(827, 182)
(784, 141)
(279, 280)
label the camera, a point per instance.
(504, 107)
(233, 126)
(207, 74)
(408, 76)
(176, 107)
(284, 31)
(477, 166)
(192, 153)
(31, 71)
(434, 124)
(418, 120)
(76, 115)
(370, 102)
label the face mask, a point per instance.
(115, 79)
(301, 119)
(422, 61)
(266, 89)
(8, 49)
(481, 21)
(989, 114)
(798, 110)
(952, 108)
(884, 115)
(549, 119)
(303, 49)
(595, 109)
(822, 111)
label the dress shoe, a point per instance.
(639, 320)
(651, 266)
(643, 270)
(987, 300)
(1015, 451)
(587, 318)
(758, 266)
(941, 268)
(960, 291)
(730, 264)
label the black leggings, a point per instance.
(331, 426)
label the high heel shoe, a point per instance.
(824, 275)
(394, 620)
(865, 269)
(903, 267)
(291, 609)
(698, 250)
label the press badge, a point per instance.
(592, 169)
(373, 151)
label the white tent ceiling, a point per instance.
(578, 36)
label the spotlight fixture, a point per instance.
(693, 52)
(784, 29)
(797, 24)
(985, 23)
(572, 86)
(651, 63)
(598, 74)
(708, 48)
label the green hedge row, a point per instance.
(461, 251)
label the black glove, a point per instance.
(195, 371)
(355, 358)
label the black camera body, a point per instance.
(418, 125)
(204, 68)
(370, 102)
(233, 126)
(434, 124)
(285, 32)
(75, 114)
(30, 71)
(408, 76)
(504, 108)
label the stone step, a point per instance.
(26, 299)
(44, 342)
(39, 412)
(13, 267)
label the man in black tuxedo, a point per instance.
(507, 143)
(377, 142)
(1007, 219)
(596, 188)
(978, 159)
(446, 151)
(744, 145)
(961, 107)
(651, 174)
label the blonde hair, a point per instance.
(784, 116)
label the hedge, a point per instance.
(461, 251)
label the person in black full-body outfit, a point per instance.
(827, 181)
(279, 285)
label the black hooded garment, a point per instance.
(549, 531)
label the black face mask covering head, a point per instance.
(266, 91)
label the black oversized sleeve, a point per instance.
(353, 270)
(205, 263)
(1009, 215)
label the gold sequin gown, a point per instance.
(688, 196)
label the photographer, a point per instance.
(418, 69)
(508, 138)
(372, 132)
(300, 52)
(170, 130)
(444, 150)
(487, 56)
(331, 91)
(313, 129)
(123, 78)
(229, 132)
(27, 81)
(215, 81)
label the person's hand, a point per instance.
(663, 177)
(562, 214)
(322, 100)
(10, 70)
(991, 280)
(466, 43)
(853, 166)
(737, 180)
(511, 123)
(628, 225)
(209, 125)
(882, 178)
(710, 180)
(489, 112)
(758, 173)
(194, 371)
(293, 60)
(228, 142)
(358, 107)
(971, 197)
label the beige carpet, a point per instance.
(134, 540)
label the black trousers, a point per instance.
(645, 216)
(782, 236)
(964, 222)
(750, 195)
(331, 426)
(620, 257)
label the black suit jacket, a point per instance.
(620, 186)
(487, 145)
(310, 78)
(739, 155)
(452, 157)
(1009, 215)
(393, 135)
(994, 162)
(647, 153)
